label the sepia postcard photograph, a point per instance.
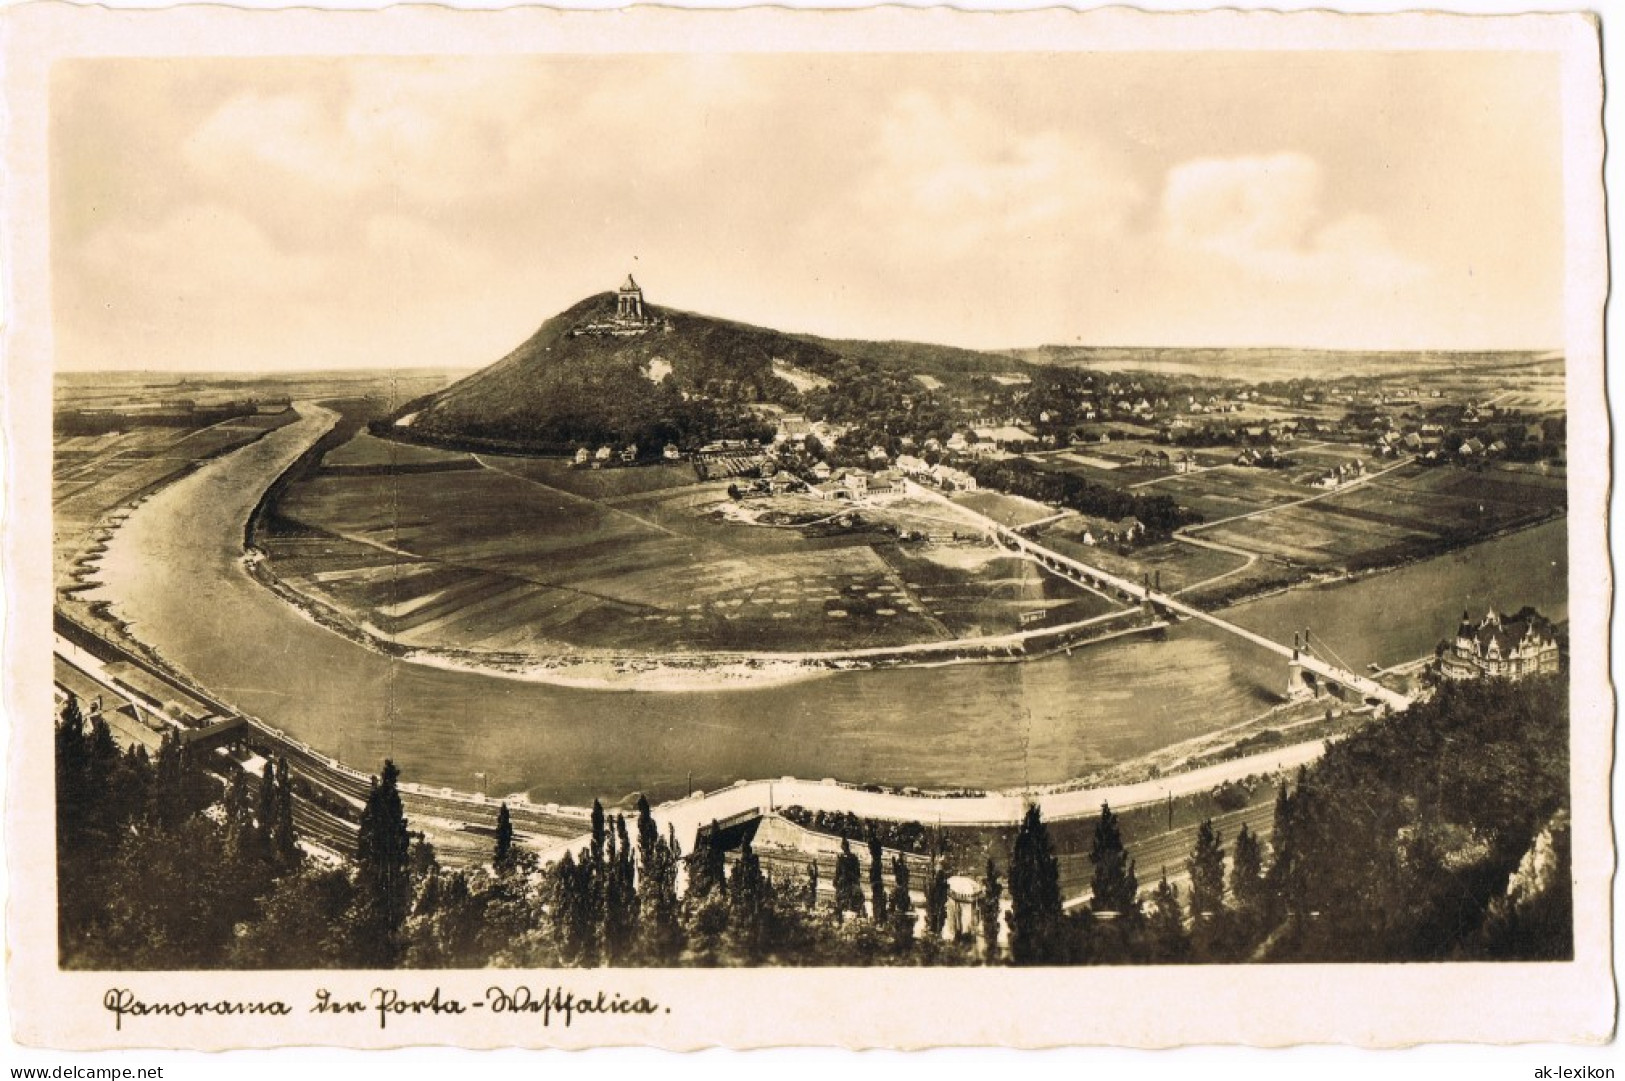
(879, 529)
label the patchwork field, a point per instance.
(1175, 565)
(1398, 514)
(1229, 490)
(92, 476)
(501, 558)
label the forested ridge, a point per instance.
(1441, 833)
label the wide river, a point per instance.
(174, 573)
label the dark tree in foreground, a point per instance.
(936, 902)
(1206, 867)
(848, 881)
(502, 855)
(902, 905)
(1247, 883)
(1438, 834)
(707, 867)
(1115, 887)
(877, 879)
(1036, 932)
(987, 909)
(383, 875)
(1166, 928)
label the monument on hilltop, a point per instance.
(629, 302)
(632, 316)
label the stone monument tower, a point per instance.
(629, 302)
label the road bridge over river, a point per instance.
(1307, 673)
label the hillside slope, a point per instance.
(683, 378)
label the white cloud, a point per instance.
(948, 177)
(201, 254)
(1264, 215)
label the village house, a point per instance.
(671, 453)
(910, 465)
(885, 484)
(583, 455)
(952, 479)
(1128, 531)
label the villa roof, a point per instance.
(1503, 634)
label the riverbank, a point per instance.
(176, 575)
(708, 671)
(1310, 579)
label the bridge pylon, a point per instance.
(1299, 683)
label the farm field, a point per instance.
(1180, 566)
(1010, 510)
(369, 451)
(1396, 515)
(92, 476)
(1229, 490)
(603, 484)
(494, 559)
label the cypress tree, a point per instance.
(900, 899)
(1288, 873)
(266, 833)
(988, 909)
(383, 854)
(1035, 895)
(1206, 866)
(239, 816)
(502, 855)
(936, 902)
(747, 897)
(848, 881)
(659, 927)
(287, 838)
(1167, 929)
(902, 905)
(1247, 883)
(572, 909)
(811, 895)
(648, 833)
(620, 903)
(1114, 885)
(707, 867)
(877, 879)
(598, 833)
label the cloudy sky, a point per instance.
(354, 212)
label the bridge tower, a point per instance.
(1300, 684)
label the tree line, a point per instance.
(1440, 833)
(1160, 514)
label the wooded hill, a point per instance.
(681, 380)
(686, 379)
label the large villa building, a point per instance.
(1524, 644)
